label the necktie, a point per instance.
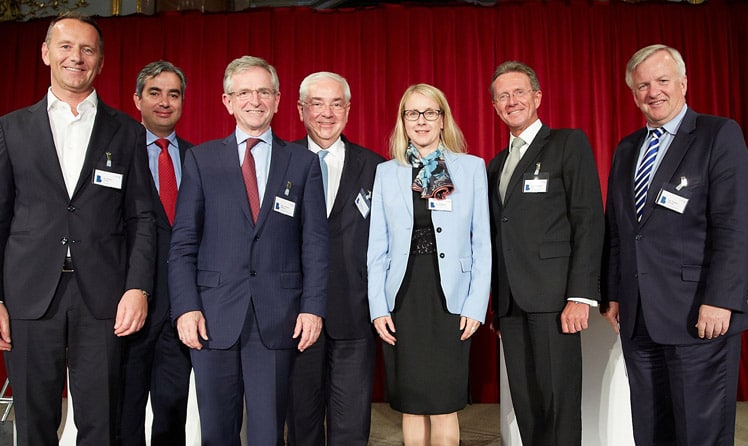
(509, 165)
(249, 173)
(167, 180)
(643, 173)
(323, 165)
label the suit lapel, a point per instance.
(404, 181)
(105, 126)
(670, 162)
(229, 161)
(50, 161)
(532, 153)
(279, 160)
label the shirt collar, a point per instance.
(672, 126)
(89, 103)
(335, 148)
(529, 134)
(266, 136)
(150, 138)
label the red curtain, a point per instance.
(579, 49)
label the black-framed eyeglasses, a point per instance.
(429, 115)
(319, 106)
(263, 93)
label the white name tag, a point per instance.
(107, 179)
(672, 201)
(285, 207)
(440, 205)
(535, 186)
(362, 203)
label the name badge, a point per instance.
(440, 205)
(107, 179)
(536, 183)
(283, 206)
(363, 202)
(672, 200)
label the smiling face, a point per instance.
(324, 111)
(515, 101)
(74, 57)
(424, 135)
(161, 103)
(659, 90)
(253, 113)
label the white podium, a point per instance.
(606, 408)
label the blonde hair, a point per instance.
(451, 135)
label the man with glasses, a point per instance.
(332, 379)
(547, 231)
(248, 262)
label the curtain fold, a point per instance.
(578, 48)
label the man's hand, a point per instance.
(189, 326)
(131, 313)
(574, 317)
(713, 321)
(609, 311)
(385, 327)
(5, 343)
(308, 326)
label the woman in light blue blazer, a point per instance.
(429, 264)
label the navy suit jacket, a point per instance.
(220, 261)
(347, 298)
(675, 261)
(110, 231)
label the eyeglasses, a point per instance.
(319, 106)
(243, 95)
(516, 95)
(414, 115)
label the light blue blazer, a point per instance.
(463, 238)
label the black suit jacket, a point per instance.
(675, 261)
(158, 310)
(110, 232)
(547, 246)
(347, 297)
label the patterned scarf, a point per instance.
(433, 180)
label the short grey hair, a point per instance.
(321, 75)
(244, 63)
(513, 66)
(644, 53)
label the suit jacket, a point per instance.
(347, 298)
(158, 310)
(220, 260)
(110, 232)
(462, 237)
(674, 261)
(547, 246)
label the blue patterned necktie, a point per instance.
(644, 172)
(323, 165)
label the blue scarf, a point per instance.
(433, 180)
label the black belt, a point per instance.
(67, 265)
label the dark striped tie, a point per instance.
(644, 172)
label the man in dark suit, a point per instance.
(155, 360)
(248, 275)
(332, 379)
(677, 223)
(77, 243)
(547, 224)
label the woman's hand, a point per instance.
(468, 327)
(385, 327)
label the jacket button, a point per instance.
(71, 208)
(638, 237)
(439, 229)
(441, 255)
(64, 241)
(504, 219)
(253, 273)
(257, 237)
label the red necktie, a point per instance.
(167, 180)
(249, 173)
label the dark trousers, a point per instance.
(682, 394)
(332, 380)
(156, 362)
(66, 334)
(247, 369)
(544, 370)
